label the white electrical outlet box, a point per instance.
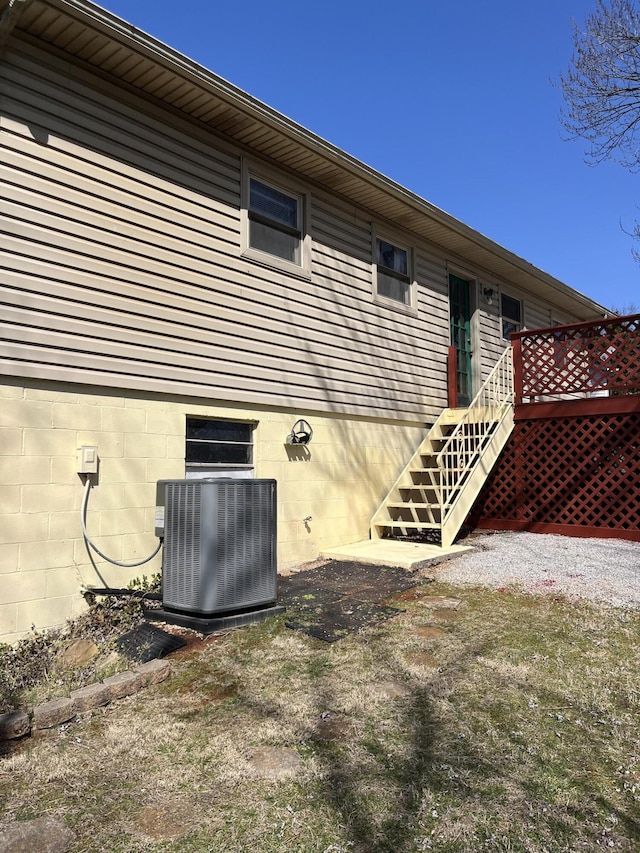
(87, 460)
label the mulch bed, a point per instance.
(341, 597)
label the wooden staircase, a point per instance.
(435, 492)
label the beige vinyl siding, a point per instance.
(122, 267)
(342, 275)
(537, 315)
(433, 283)
(492, 344)
(433, 303)
(428, 334)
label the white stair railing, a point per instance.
(464, 447)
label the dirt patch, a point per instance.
(333, 728)
(409, 596)
(196, 644)
(222, 692)
(392, 689)
(425, 659)
(440, 602)
(166, 821)
(201, 687)
(430, 632)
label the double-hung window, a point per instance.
(275, 221)
(393, 273)
(511, 310)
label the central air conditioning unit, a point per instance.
(219, 545)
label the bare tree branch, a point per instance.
(601, 87)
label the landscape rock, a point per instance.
(392, 689)
(153, 672)
(123, 684)
(53, 713)
(90, 697)
(14, 724)
(166, 821)
(271, 762)
(42, 835)
(77, 653)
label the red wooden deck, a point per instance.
(572, 463)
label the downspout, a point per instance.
(9, 19)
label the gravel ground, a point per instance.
(605, 570)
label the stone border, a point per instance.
(55, 712)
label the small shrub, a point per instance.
(32, 662)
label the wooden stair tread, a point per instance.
(414, 525)
(443, 473)
(417, 504)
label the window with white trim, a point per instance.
(216, 448)
(511, 311)
(393, 271)
(275, 224)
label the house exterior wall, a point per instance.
(124, 266)
(124, 246)
(128, 303)
(337, 482)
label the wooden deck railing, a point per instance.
(572, 464)
(583, 359)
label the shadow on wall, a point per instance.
(297, 453)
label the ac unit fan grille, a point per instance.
(220, 545)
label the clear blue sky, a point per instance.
(454, 100)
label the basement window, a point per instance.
(218, 448)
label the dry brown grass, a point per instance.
(515, 730)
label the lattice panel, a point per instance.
(575, 471)
(604, 355)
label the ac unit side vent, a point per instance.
(182, 554)
(220, 545)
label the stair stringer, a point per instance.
(456, 513)
(428, 448)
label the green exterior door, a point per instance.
(460, 311)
